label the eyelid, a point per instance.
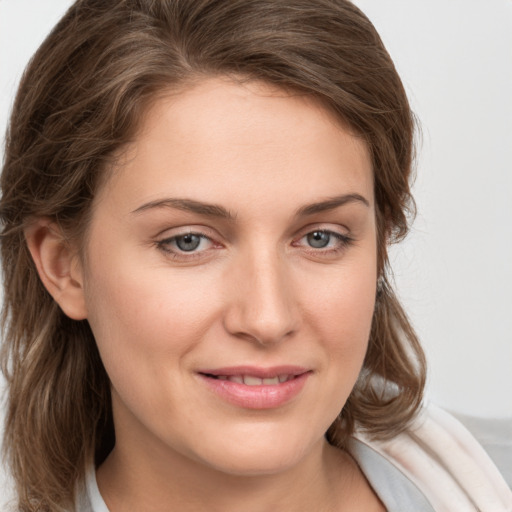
(336, 229)
(185, 229)
(165, 238)
(344, 241)
(182, 235)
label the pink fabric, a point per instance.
(447, 464)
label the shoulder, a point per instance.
(439, 455)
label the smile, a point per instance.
(251, 380)
(253, 388)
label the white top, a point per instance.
(439, 455)
(435, 466)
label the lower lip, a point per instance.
(256, 397)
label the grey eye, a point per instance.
(188, 242)
(318, 239)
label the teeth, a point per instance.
(250, 380)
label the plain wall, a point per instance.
(454, 272)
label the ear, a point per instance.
(58, 266)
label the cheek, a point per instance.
(342, 303)
(141, 316)
(340, 313)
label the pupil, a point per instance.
(188, 242)
(318, 239)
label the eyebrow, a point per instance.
(331, 203)
(214, 210)
(188, 205)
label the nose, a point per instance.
(262, 306)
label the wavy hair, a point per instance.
(80, 99)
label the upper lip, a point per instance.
(256, 371)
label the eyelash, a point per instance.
(343, 242)
(177, 253)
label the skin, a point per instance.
(254, 292)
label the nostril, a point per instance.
(262, 307)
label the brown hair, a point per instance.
(80, 100)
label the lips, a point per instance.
(256, 388)
(251, 380)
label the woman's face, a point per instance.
(230, 278)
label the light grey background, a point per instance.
(455, 270)
(454, 273)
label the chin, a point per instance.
(257, 453)
(257, 464)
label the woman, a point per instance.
(197, 200)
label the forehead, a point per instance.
(238, 134)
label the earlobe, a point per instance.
(58, 266)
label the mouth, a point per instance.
(252, 380)
(256, 388)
